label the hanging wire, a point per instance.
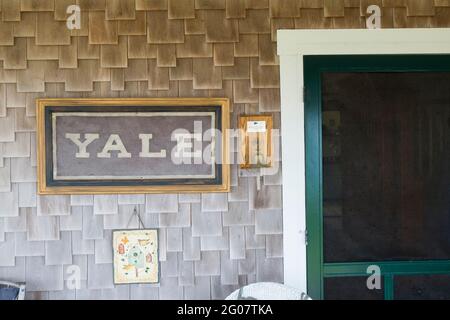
(138, 216)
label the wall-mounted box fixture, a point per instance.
(256, 141)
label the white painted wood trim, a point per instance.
(363, 41)
(292, 46)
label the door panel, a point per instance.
(420, 287)
(386, 161)
(347, 288)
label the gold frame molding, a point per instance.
(43, 189)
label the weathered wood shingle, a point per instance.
(51, 32)
(162, 30)
(11, 10)
(102, 31)
(219, 28)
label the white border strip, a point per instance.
(56, 177)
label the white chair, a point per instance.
(267, 291)
(12, 291)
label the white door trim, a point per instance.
(292, 46)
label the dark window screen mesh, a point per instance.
(351, 288)
(386, 166)
(422, 287)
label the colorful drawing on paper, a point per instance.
(136, 256)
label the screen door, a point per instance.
(378, 176)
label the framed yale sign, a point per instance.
(93, 146)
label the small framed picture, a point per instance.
(255, 141)
(135, 254)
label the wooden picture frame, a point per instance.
(136, 256)
(256, 142)
(68, 163)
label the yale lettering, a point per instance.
(114, 143)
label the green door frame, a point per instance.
(314, 66)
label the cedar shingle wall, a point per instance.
(210, 243)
